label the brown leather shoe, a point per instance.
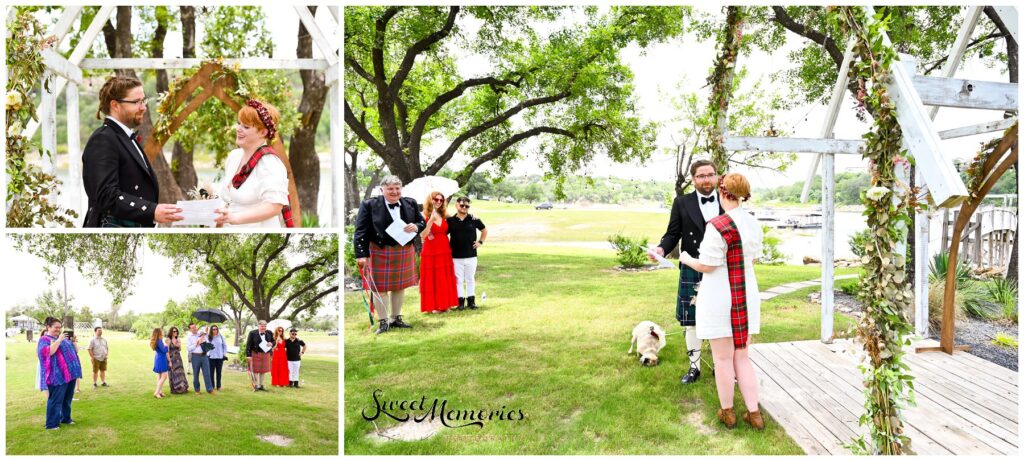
(754, 419)
(728, 417)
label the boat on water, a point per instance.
(803, 221)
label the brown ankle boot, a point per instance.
(754, 419)
(728, 417)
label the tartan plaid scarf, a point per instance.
(246, 170)
(737, 277)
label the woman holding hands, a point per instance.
(437, 271)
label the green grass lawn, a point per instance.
(125, 419)
(512, 223)
(551, 340)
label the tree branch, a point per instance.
(360, 130)
(930, 67)
(457, 142)
(311, 302)
(463, 177)
(274, 254)
(304, 289)
(358, 69)
(445, 98)
(419, 47)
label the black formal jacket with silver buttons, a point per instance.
(686, 223)
(119, 183)
(373, 220)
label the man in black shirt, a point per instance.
(294, 348)
(462, 236)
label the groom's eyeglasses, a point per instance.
(143, 101)
(705, 176)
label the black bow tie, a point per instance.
(704, 200)
(394, 205)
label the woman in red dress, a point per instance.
(437, 271)
(279, 362)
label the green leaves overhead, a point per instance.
(481, 82)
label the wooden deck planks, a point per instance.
(966, 405)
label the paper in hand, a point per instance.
(662, 262)
(397, 231)
(198, 212)
(265, 345)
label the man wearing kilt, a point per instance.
(259, 360)
(690, 213)
(386, 267)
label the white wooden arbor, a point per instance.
(67, 73)
(935, 169)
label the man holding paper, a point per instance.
(384, 229)
(258, 347)
(689, 215)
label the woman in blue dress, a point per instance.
(160, 365)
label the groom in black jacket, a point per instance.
(118, 178)
(690, 214)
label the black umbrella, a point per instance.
(210, 315)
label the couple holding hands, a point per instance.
(122, 186)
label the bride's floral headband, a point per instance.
(722, 190)
(265, 117)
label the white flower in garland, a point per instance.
(877, 192)
(13, 100)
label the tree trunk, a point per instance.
(302, 150)
(351, 185)
(182, 160)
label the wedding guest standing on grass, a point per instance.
(217, 354)
(98, 352)
(387, 268)
(437, 272)
(295, 349)
(728, 303)
(462, 230)
(160, 361)
(258, 346)
(59, 370)
(179, 383)
(279, 360)
(200, 362)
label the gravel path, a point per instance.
(979, 335)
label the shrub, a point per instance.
(770, 253)
(968, 301)
(940, 265)
(1005, 340)
(1004, 293)
(848, 286)
(631, 252)
(350, 252)
(857, 241)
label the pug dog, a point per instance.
(649, 338)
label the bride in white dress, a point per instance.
(256, 195)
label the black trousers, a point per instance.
(216, 365)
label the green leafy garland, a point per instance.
(28, 187)
(885, 288)
(975, 172)
(720, 81)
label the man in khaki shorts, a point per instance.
(98, 352)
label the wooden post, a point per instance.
(48, 109)
(337, 147)
(73, 188)
(922, 228)
(978, 260)
(959, 46)
(835, 101)
(944, 245)
(828, 233)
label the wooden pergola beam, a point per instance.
(189, 63)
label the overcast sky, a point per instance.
(684, 63)
(154, 285)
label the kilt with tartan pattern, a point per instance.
(259, 362)
(686, 307)
(393, 268)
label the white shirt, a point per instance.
(193, 343)
(396, 212)
(709, 209)
(268, 183)
(128, 131)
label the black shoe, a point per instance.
(382, 326)
(296, 384)
(462, 304)
(471, 301)
(398, 323)
(691, 376)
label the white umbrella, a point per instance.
(283, 323)
(420, 187)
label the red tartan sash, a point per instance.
(737, 277)
(243, 174)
